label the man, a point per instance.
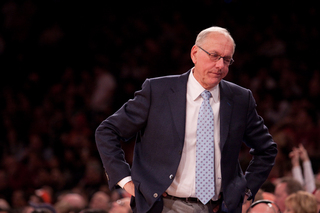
(164, 116)
(285, 187)
(263, 206)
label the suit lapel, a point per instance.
(177, 99)
(226, 106)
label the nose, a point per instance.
(220, 63)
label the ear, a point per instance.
(193, 54)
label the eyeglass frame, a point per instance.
(219, 56)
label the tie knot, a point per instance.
(206, 95)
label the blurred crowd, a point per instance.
(67, 65)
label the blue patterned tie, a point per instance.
(205, 189)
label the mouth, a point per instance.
(218, 73)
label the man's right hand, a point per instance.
(129, 187)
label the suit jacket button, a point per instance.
(155, 195)
(171, 176)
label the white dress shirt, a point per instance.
(183, 184)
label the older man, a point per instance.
(189, 130)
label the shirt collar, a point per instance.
(196, 89)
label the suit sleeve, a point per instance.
(121, 126)
(263, 148)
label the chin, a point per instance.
(211, 85)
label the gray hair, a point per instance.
(204, 33)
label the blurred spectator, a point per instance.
(42, 208)
(298, 127)
(105, 85)
(42, 195)
(100, 201)
(308, 179)
(285, 187)
(19, 199)
(118, 194)
(263, 197)
(246, 205)
(70, 203)
(4, 186)
(273, 45)
(268, 187)
(301, 202)
(4, 206)
(93, 176)
(93, 211)
(263, 206)
(121, 206)
(317, 177)
(317, 195)
(306, 130)
(314, 89)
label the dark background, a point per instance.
(53, 53)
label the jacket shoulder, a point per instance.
(169, 80)
(169, 77)
(232, 86)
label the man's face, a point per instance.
(281, 195)
(208, 72)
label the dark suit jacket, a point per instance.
(157, 115)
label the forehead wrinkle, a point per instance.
(226, 49)
(222, 53)
(216, 41)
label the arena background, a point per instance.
(67, 65)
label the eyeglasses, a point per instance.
(215, 57)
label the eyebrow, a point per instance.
(215, 52)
